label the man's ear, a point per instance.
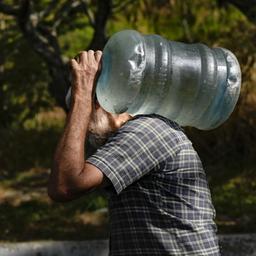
(96, 103)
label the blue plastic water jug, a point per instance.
(191, 84)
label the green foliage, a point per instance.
(235, 202)
(76, 40)
(30, 145)
(24, 76)
(192, 21)
(24, 79)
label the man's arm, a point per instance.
(70, 176)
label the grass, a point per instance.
(36, 220)
(235, 199)
(26, 212)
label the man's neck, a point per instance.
(121, 119)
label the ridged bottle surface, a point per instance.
(191, 84)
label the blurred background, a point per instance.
(37, 38)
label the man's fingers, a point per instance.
(98, 55)
(88, 57)
(83, 56)
(91, 57)
(73, 64)
(87, 61)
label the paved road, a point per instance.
(232, 245)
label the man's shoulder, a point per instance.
(154, 120)
(152, 128)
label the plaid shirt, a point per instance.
(161, 203)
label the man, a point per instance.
(159, 201)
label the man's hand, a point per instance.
(84, 69)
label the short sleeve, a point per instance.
(137, 148)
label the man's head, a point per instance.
(103, 124)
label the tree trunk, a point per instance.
(99, 37)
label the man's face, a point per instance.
(101, 126)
